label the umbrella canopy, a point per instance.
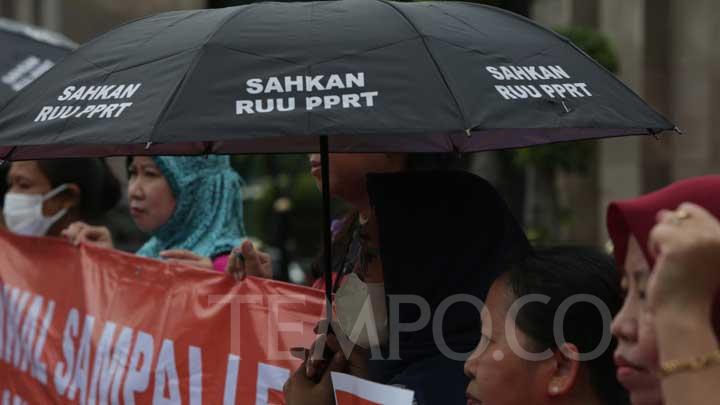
(338, 76)
(27, 53)
(372, 75)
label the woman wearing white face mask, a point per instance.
(45, 196)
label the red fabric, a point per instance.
(320, 282)
(346, 398)
(199, 333)
(637, 216)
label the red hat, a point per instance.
(637, 216)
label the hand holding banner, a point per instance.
(89, 325)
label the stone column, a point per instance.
(620, 160)
(577, 192)
(7, 8)
(658, 55)
(553, 13)
(25, 11)
(695, 71)
(84, 19)
(586, 13)
(51, 15)
(714, 83)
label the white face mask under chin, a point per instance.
(361, 311)
(23, 212)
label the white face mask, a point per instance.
(23, 212)
(361, 311)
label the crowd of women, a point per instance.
(419, 226)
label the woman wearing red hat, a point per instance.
(667, 243)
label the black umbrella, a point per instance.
(27, 53)
(347, 75)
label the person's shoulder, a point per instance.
(435, 380)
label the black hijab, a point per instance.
(441, 233)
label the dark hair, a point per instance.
(100, 190)
(560, 273)
(3, 182)
(343, 236)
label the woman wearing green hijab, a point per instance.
(190, 206)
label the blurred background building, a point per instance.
(666, 50)
(667, 53)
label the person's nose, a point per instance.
(135, 189)
(469, 366)
(624, 326)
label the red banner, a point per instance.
(91, 326)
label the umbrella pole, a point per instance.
(327, 236)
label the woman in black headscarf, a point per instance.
(443, 237)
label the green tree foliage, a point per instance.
(595, 44)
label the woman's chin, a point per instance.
(646, 397)
(145, 227)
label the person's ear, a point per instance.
(565, 370)
(71, 196)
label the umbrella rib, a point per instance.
(196, 59)
(317, 62)
(577, 49)
(229, 48)
(458, 19)
(434, 60)
(458, 45)
(364, 51)
(145, 62)
(36, 34)
(171, 99)
(8, 156)
(538, 53)
(240, 11)
(174, 23)
(115, 69)
(622, 84)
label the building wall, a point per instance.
(81, 20)
(87, 18)
(669, 55)
(694, 86)
(620, 160)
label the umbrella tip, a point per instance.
(4, 163)
(678, 130)
(468, 133)
(148, 145)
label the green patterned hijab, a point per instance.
(208, 217)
